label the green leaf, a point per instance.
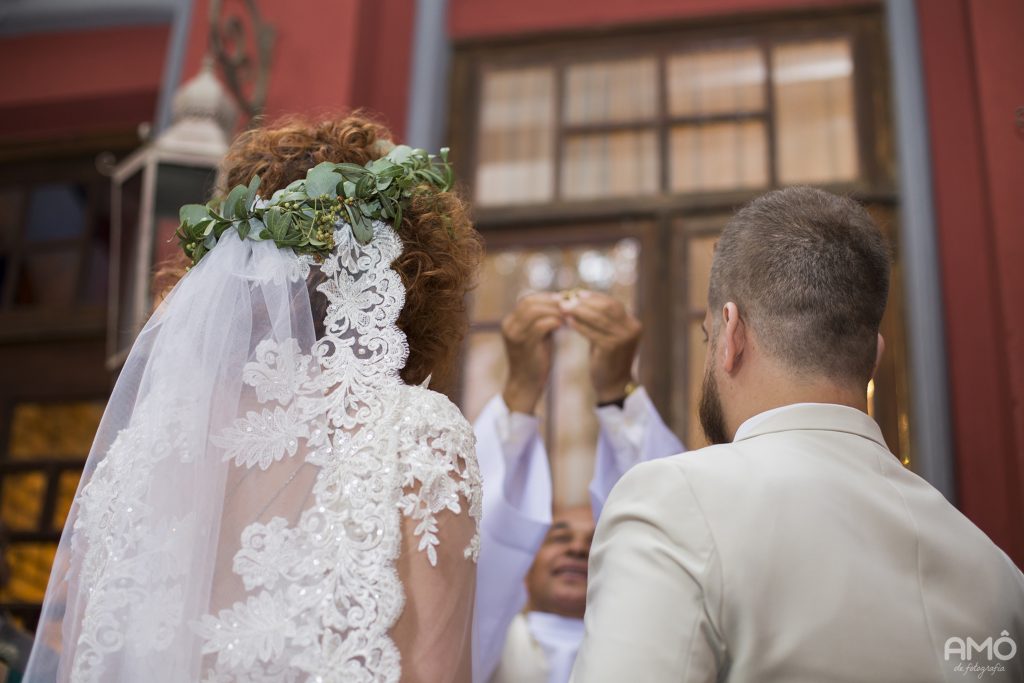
(322, 180)
(365, 186)
(272, 218)
(348, 188)
(250, 196)
(351, 169)
(243, 229)
(234, 205)
(192, 214)
(400, 154)
(363, 231)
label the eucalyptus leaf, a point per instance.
(322, 180)
(351, 169)
(192, 214)
(243, 229)
(362, 231)
(400, 154)
(250, 195)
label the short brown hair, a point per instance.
(442, 249)
(809, 271)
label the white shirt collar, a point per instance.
(554, 628)
(752, 422)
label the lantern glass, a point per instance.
(129, 207)
(176, 185)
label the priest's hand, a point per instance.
(529, 346)
(614, 335)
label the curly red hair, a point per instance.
(442, 249)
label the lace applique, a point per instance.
(322, 592)
(325, 593)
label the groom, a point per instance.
(798, 548)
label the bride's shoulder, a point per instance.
(427, 403)
(420, 408)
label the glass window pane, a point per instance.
(10, 218)
(508, 275)
(48, 279)
(719, 81)
(701, 253)
(98, 279)
(67, 485)
(718, 156)
(21, 500)
(30, 571)
(55, 211)
(484, 372)
(127, 283)
(622, 164)
(177, 185)
(54, 430)
(814, 117)
(611, 91)
(515, 160)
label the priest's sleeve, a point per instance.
(627, 436)
(516, 517)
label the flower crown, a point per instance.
(302, 216)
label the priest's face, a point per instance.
(557, 581)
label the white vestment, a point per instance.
(517, 507)
(801, 552)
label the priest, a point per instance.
(531, 581)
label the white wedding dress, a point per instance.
(265, 502)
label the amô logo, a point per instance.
(1003, 648)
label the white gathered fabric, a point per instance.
(261, 503)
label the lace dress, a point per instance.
(267, 504)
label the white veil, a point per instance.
(214, 533)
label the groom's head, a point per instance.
(798, 287)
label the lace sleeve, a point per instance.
(440, 503)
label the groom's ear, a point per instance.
(734, 337)
(879, 351)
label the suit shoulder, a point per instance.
(710, 459)
(665, 479)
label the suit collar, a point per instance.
(811, 416)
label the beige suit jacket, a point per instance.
(802, 552)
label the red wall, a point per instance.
(486, 18)
(82, 82)
(352, 54)
(973, 58)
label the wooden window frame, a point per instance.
(667, 314)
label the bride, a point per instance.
(274, 494)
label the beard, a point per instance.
(712, 419)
